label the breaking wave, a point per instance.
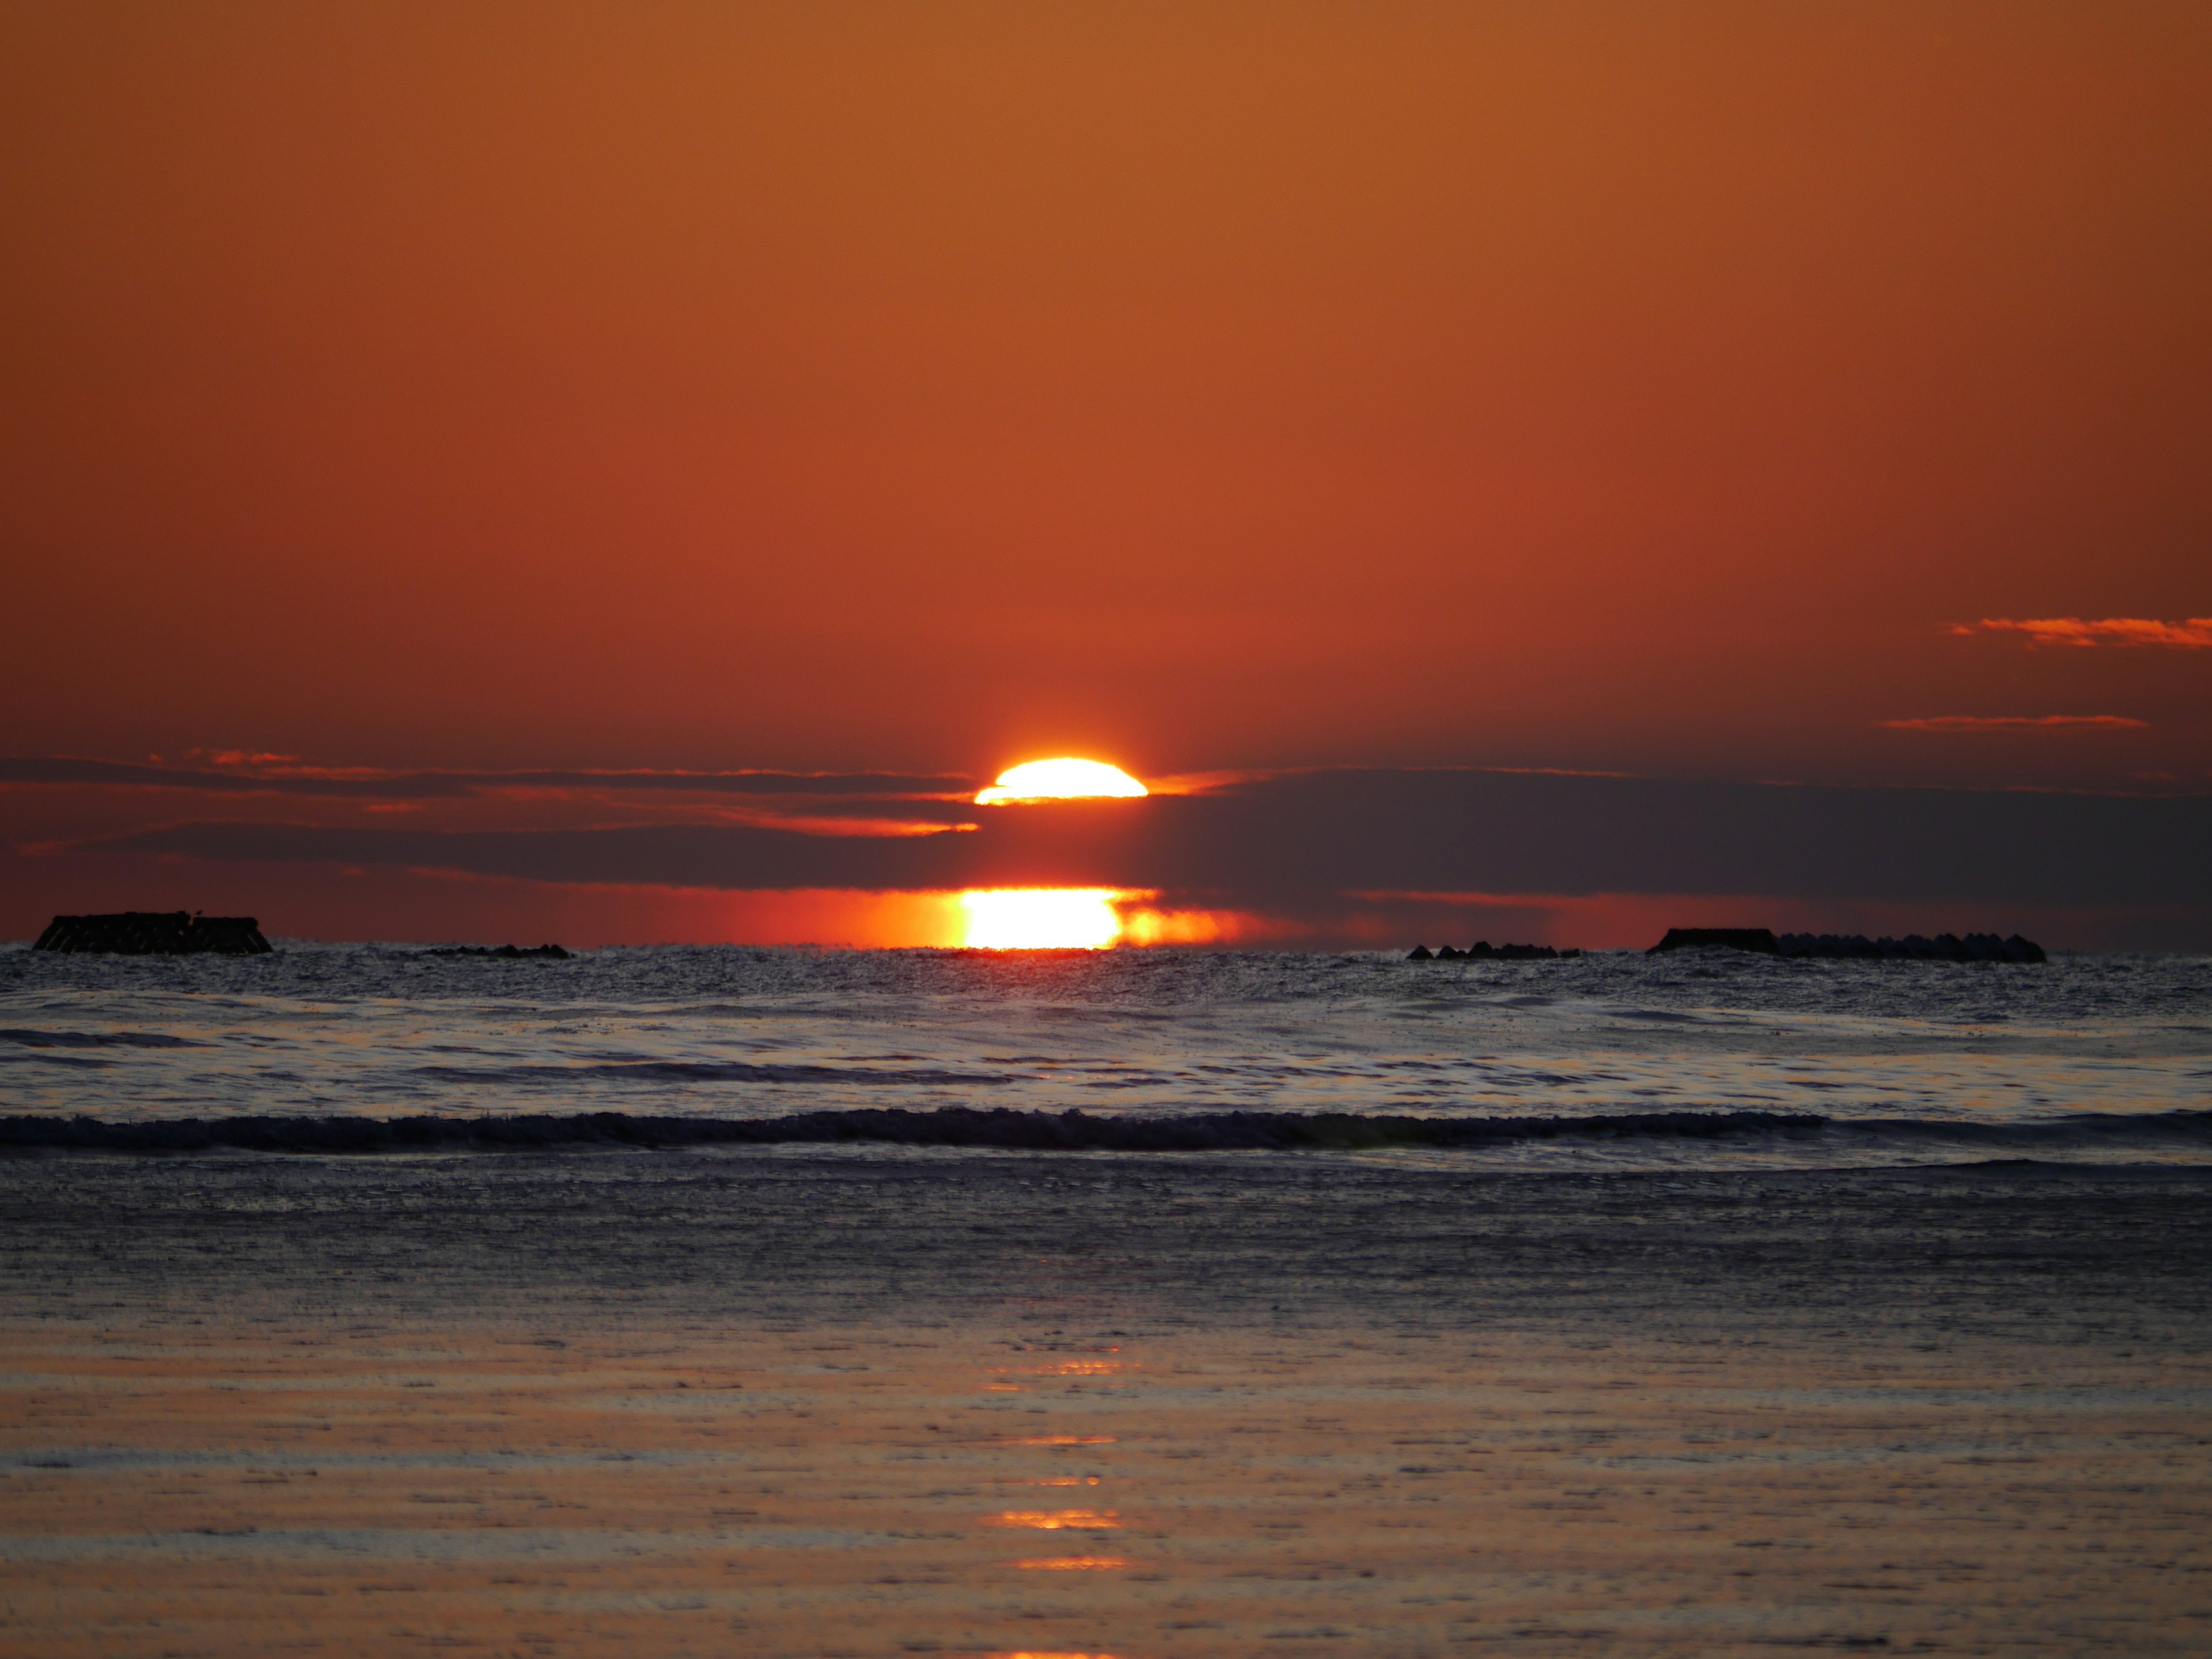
(1015, 1130)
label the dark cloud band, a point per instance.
(1281, 844)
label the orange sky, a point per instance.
(1639, 388)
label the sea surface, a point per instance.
(1703, 1058)
(1133, 1306)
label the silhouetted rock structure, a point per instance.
(503, 953)
(1760, 939)
(1482, 950)
(156, 933)
(1944, 947)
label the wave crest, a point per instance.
(1014, 1130)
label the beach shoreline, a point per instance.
(997, 1405)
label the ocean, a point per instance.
(689, 1300)
(1613, 1060)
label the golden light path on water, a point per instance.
(1059, 1520)
(1073, 1563)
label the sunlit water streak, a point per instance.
(747, 1033)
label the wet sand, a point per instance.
(259, 1406)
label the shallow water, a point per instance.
(798, 1402)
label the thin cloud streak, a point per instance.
(261, 775)
(2193, 634)
(2020, 723)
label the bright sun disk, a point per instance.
(1064, 778)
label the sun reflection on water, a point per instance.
(1060, 1440)
(1059, 1520)
(1059, 1368)
(1073, 1563)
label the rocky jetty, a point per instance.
(1944, 947)
(1760, 939)
(155, 933)
(502, 952)
(1482, 950)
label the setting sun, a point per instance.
(1041, 919)
(1064, 778)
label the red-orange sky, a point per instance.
(924, 387)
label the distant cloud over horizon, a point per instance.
(2019, 723)
(1316, 858)
(2194, 634)
(1280, 842)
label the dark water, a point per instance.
(1822, 1064)
(701, 1302)
(2100, 1254)
(1199, 1135)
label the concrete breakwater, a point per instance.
(502, 952)
(1944, 947)
(1764, 941)
(1482, 950)
(155, 933)
(1913, 947)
